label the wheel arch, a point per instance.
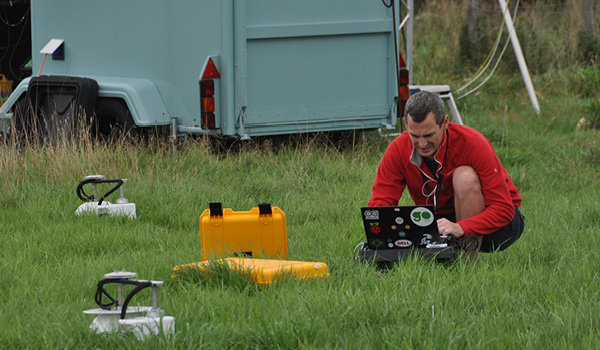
(141, 96)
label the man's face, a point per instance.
(426, 135)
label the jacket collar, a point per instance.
(416, 158)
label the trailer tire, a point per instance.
(113, 121)
(24, 125)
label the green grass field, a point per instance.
(541, 293)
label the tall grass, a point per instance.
(548, 31)
(540, 293)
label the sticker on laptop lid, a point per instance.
(422, 217)
(375, 229)
(372, 214)
(426, 239)
(377, 243)
(403, 243)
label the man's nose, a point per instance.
(422, 143)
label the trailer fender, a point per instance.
(142, 97)
(5, 114)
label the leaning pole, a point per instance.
(519, 53)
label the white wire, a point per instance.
(484, 68)
(428, 195)
(495, 66)
(356, 248)
(489, 76)
(491, 57)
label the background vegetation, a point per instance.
(540, 293)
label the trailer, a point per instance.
(230, 68)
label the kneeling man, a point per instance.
(454, 168)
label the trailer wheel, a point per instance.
(113, 120)
(24, 125)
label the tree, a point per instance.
(589, 42)
(589, 7)
(473, 41)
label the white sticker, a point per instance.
(372, 214)
(422, 216)
(399, 220)
(403, 243)
(426, 239)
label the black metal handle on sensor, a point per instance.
(140, 286)
(100, 292)
(87, 198)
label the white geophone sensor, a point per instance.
(116, 315)
(98, 205)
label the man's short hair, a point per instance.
(421, 104)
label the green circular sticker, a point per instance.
(422, 217)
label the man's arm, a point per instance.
(390, 181)
(499, 208)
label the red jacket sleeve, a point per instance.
(389, 182)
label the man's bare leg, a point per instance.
(468, 198)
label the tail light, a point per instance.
(207, 94)
(403, 80)
(207, 103)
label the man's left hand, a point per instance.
(447, 227)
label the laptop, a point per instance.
(402, 227)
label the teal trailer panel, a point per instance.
(285, 67)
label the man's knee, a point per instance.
(465, 182)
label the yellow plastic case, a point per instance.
(260, 232)
(5, 89)
(263, 272)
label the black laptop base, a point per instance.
(366, 254)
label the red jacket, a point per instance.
(402, 166)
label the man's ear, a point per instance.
(446, 122)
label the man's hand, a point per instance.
(448, 227)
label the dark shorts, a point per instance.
(504, 237)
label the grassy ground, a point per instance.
(540, 293)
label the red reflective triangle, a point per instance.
(402, 63)
(210, 71)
